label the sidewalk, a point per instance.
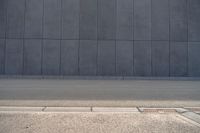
(97, 120)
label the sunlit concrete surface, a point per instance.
(95, 123)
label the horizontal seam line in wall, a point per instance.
(98, 39)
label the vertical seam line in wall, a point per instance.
(23, 45)
(97, 38)
(151, 43)
(79, 37)
(6, 28)
(188, 15)
(133, 43)
(61, 18)
(42, 44)
(169, 8)
(116, 36)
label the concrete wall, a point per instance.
(100, 37)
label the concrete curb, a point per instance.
(184, 112)
(21, 109)
(158, 110)
(67, 109)
(194, 109)
(114, 109)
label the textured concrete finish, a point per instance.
(32, 56)
(69, 57)
(34, 19)
(95, 123)
(14, 56)
(15, 18)
(100, 37)
(178, 59)
(2, 54)
(2, 18)
(51, 57)
(142, 60)
(88, 58)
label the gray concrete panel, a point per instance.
(124, 30)
(106, 58)
(33, 19)
(142, 58)
(178, 58)
(32, 57)
(15, 18)
(160, 20)
(69, 57)
(88, 57)
(88, 19)
(2, 56)
(106, 19)
(14, 57)
(51, 57)
(193, 59)
(178, 20)
(194, 20)
(142, 19)
(3, 6)
(124, 58)
(160, 58)
(70, 19)
(52, 19)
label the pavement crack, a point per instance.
(44, 109)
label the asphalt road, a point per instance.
(101, 90)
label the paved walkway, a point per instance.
(100, 120)
(151, 93)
